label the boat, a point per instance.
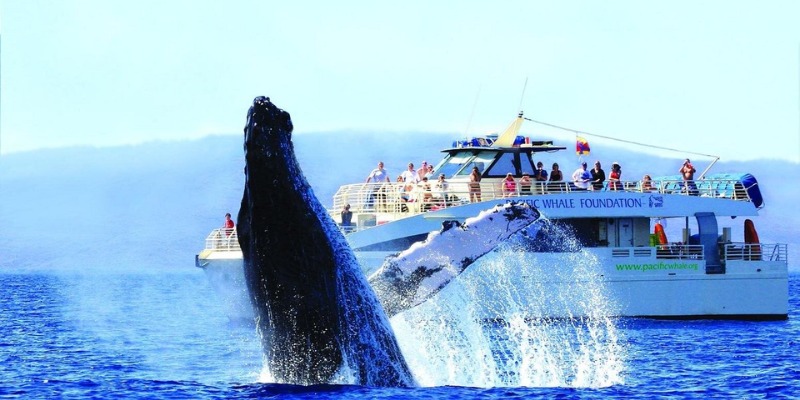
(703, 275)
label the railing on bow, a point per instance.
(223, 239)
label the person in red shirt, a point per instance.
(228, 225)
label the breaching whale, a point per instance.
(315, 312)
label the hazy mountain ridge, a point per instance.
(151, 205)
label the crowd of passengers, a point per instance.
(435, 195)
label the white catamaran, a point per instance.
(705, 275)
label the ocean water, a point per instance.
(164, 335)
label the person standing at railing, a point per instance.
(581, 177)
(423, 171)
(228, 225)
(541, 174)
(427, 195)
(647, 183)
(475, 185)
(347, 218)
(509, 185)
(598, 176)
(440, 190)
(614, 182)
(377, 175)
(687, 173)
(411, 175)
(556, 177)
(525, 184)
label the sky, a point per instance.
(714, 77)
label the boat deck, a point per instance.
(388, 199)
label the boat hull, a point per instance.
(225, 273)
(563, 285)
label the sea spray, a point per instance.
(517, 318)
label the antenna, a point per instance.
(472, 114)
(523, 95)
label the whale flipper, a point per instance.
(414, 275)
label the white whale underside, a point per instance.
(416, 274)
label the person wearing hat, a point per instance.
(440, 189)
(614, 182)
(541, 174)
(582, 178)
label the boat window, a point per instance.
(452, 164)
(505, 164)
(482, 161)
(527, 164)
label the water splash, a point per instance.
(518, 318)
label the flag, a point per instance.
(581, 146)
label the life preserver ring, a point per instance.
(659, 232)
(751, 239)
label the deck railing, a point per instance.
(227, 240)
(755, 251)
(223, 239)
(670, 252)
(391, 201)
(730, 252)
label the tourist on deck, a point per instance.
(687, 173)
(403, 193)
(598, 176)
(509, 186)
(475, 185)
(525, 184)
(347, 218)
(377, 175)
(410, 175)
(555, 183)
(647, 184)
(541, 174)
(228, 225)
(440, 189)
(614, 182)
(423, 170)
(555, 174)
(427, 196)
(581, 177)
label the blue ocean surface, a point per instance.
(165, 335)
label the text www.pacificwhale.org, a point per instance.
(656, 267)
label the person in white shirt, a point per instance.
(410, 175)
(582, 178)
(378, 174)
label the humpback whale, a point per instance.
(315, 312)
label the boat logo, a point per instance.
(656, 201)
